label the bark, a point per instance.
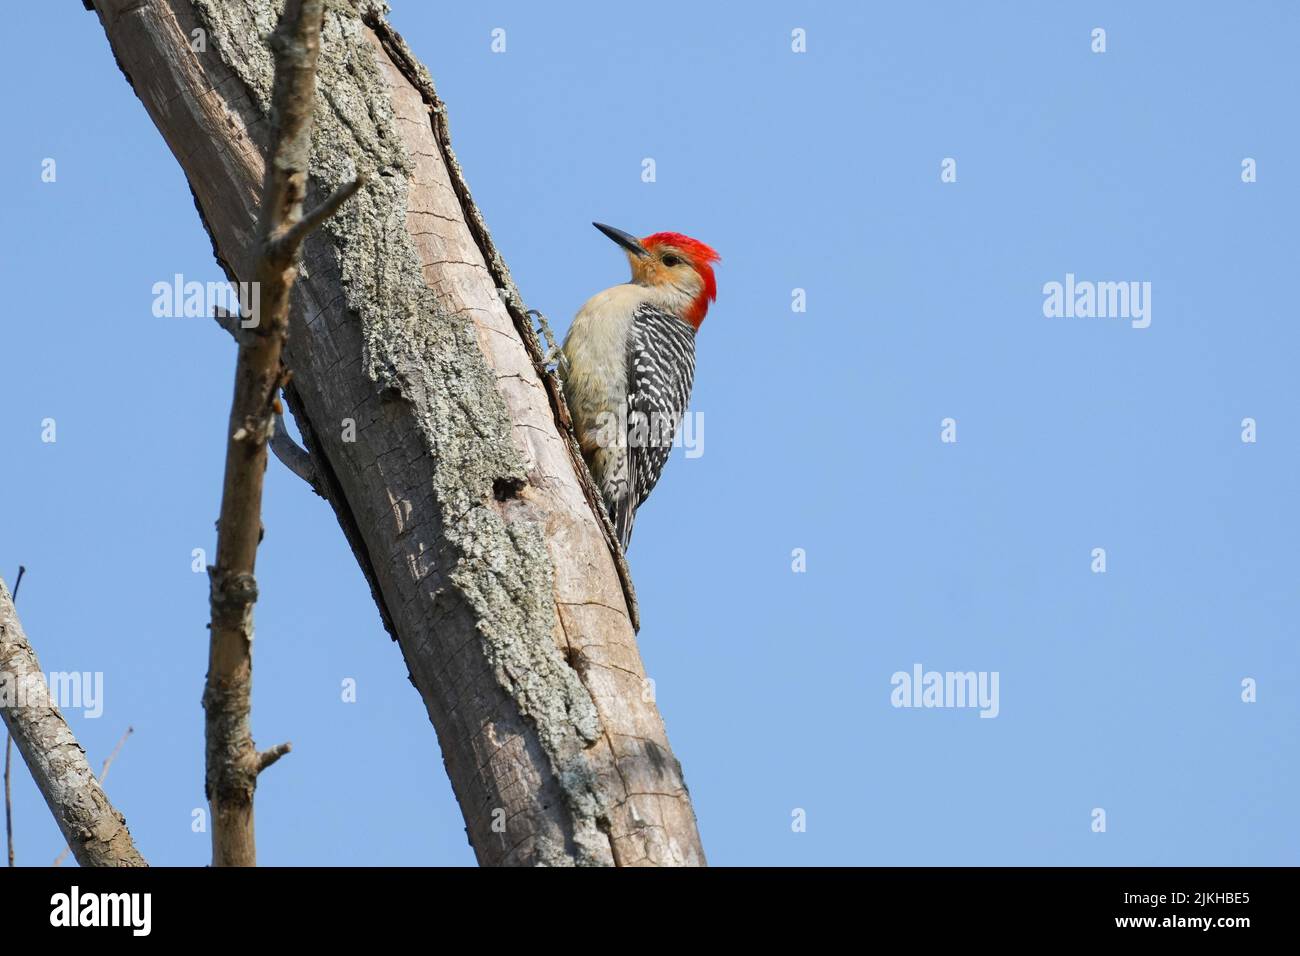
(434, 433)
(103, 775)
(92, 827)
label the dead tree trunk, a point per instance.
(434, 433)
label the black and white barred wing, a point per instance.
(660, 372)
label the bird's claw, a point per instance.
(554, 359)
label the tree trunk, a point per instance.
(417, 387)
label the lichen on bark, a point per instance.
(431, 364)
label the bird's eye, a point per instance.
(671, 260)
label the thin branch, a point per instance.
(103, 775)
(228, 321)
(293, 456)
(232, 760)
(90, 824)
(108, 761)
(9, 796)
(9, 752)
(293, 236)
(268, 757)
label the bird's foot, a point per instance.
(554, 359)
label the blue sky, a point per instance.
(818, 171)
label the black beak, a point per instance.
(630, 243)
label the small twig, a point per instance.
(292, 455)
(288, 240)
(268, 757)
(230, 321)
(9, 752)
(103, 775)
(108, 761)
(9, 796)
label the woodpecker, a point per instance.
(629, 362)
